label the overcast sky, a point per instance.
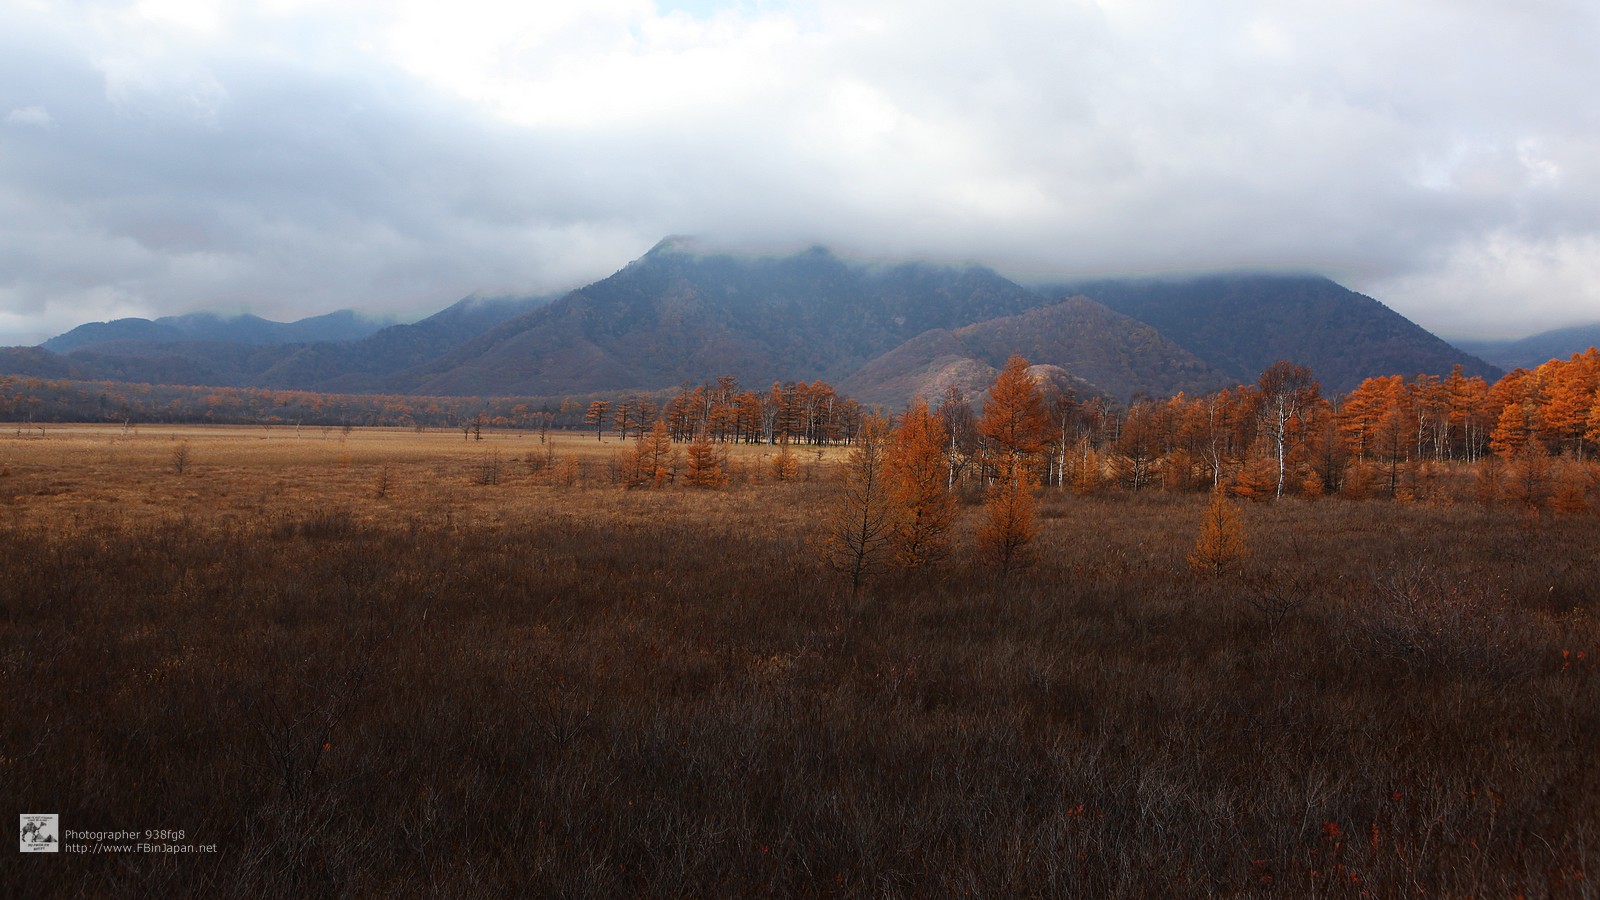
(289, 157)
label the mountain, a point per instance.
(881, 331)
(1535, 350)
(213, 363)
(379, 362)
(1105, 352)
(678, 314)
(344, 325)
(1241, 324)
(339, 352)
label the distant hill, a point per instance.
(344, 325)
(1241, 324)
(379, 363)
(339, 352)
(1536, 350)
(1105, 351)
(36, 362)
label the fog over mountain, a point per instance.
(1535, 350)
(289, 158)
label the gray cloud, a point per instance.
(1439, 156)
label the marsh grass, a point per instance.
(553, 686)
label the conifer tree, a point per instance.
(705, 466)
(654, 459)
(785, 467)
(1220, 546)
(918, 470)
(857, 526)
(1015, 425)
(1008, 528)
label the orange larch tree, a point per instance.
(1593, 422)
(1392, 443)
(655, 459)
(1511, 409)
(684, 413)
(1015, 426)
(1139, 444)
(1517, 430)
(705, 464)
(1569, 393)
(785, 467)
(918, 473)
(748, 416)
(722, 414)
(1220, 546)
(1008, 527)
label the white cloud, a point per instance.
(32, 116)
(295, 156)
(1499, 281)
(204, 18)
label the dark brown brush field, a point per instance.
(362, 667)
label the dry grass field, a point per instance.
(62, 474)
(390, 663)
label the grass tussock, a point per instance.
(551, 685)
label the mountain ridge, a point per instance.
(882, 329)
(1343, 336)
(340, 325)
(1536, 349)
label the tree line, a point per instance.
(722, 411)
(1280, 435)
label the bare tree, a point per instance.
(858, 526)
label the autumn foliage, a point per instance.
(1015, 422)
(785, 467)
(655, 459)
(1008, 527)
(917, 471)
(705, 465)
(1220, 547)
(1416, 438)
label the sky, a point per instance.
(290, 157)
